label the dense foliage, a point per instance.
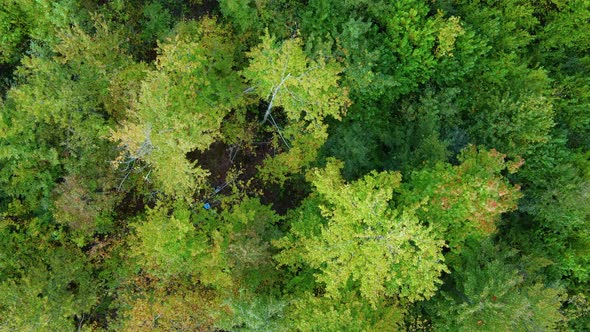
(257, 165)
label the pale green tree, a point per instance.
(349, 233)
(303, 90)
(181, 106)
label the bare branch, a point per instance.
(279, 130)
(274, 94)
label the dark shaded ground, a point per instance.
(207, 7)
(286, 198)
(220, 158)
(6, 77)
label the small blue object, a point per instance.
(206, 206)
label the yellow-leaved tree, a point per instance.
(181, 106)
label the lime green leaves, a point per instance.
(305, 90)
(359, 236)
(181, 106)
(356, 236)
(168, 245)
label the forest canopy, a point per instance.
(283, 165)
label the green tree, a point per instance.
(347, 312)
(167, 245)
(306, 90)
(54, 121)
(350, 235)
(181, 106)
(38, 22)
(553, 219)
(487, 293)
(388, 48)
(563, 49)
(44, 284)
